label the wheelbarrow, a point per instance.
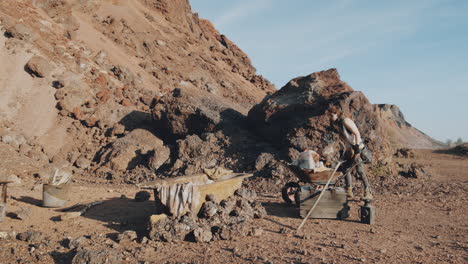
(186, 194)
(304, 193)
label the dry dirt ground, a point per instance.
(421, 221)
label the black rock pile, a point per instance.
(224, 220)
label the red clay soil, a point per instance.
(419, 221)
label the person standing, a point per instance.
(351, 138)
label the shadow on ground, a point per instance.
(281, 209)
(28, 200)
(122, 214)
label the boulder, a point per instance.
(21, 31)
(202, 234)
(297, 116)
(187, 111)
(126, 236)
(77, 242)
(171, 230)
(82, 162)
(133, 149)
(208, 209)
(31, 236)
(39, 66)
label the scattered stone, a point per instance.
(128, 235)
(256, 231)
(57, 84)
(259, 210)
(172, 230)
(69, 215)
(31, 236)
(208, 209)
(82, 162)
(404, 153)
(77, 242)
(210, 198)
(263, 160)
(226, 220)
(90, 256)
(247, 194)
(283, 230)
(231, 232)
(15, 140)
(419, 248)
(5, 235)
(303, 235)
(23, 213)
(202, 234)
(144, 240)
(142, 196)
(38, 66)
(118, 129)
(413, 170)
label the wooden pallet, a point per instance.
(332, 205)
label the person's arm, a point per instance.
(351, 127)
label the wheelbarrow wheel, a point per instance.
(289, 192)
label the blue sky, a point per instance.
(410, 53)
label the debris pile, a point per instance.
(404, 153)
(413, 170)
(217, 220)
(461, 150)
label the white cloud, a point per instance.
(239, 11)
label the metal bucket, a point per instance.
(55, 195)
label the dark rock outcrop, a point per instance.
(297, 116)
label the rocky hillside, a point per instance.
(130, 90)
(400, 132)
(77, 75)
(298, 117)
